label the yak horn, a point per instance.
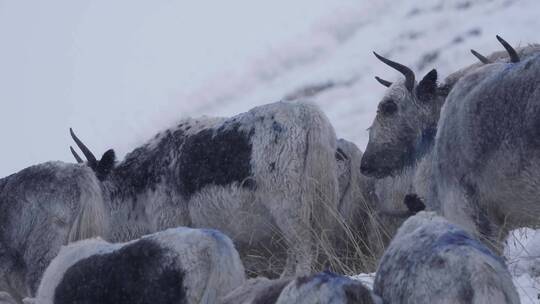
(481, 57)
(87, 153)
(511, 52)
(385, 83)
(77, 157)
(409, 74)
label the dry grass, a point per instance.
(343, 246)
(351, 247)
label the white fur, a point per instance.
(211, 264)
(294, 202)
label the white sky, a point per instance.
(113, 69)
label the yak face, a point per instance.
(404, 126)
(391, 135)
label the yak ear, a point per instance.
(106, 164)
(427, 86)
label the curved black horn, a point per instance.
(385, 83)
(481, 57)
(77, 157)
(511, 52)
(409, 74)
(87, 153)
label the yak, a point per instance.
(431, 260)
(323, 287)
(267, 178)
(408, 125)
(486, 163)
(42, 208)
(178, 265)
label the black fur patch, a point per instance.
(425, 143)
(139, 273)
(147, 166)
(357, 294)
(414, 203)
(271, 294)
(215, 157)
(466, 294)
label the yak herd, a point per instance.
(250, 209)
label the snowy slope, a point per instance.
(336, 55)
(119, 76)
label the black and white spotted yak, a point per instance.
(468, 146)
(178, 265)
(268, 178)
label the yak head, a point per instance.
(102, 167)
(405, 123)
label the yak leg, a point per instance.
(299, 242)
(461, 206)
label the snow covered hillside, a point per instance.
(334, 63)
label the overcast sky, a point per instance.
(114, 70)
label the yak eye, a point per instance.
(388, 107)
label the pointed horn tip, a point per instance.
(86, 152)
(480, 57)
(76, 155)
(514, 57)
(501, 40)
(406, 71)
(385, 83)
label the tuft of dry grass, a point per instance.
(350, 247)
(346, 246)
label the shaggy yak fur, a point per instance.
(178, 265)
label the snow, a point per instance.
(366, 278)
(522, 252)
(338, 48)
